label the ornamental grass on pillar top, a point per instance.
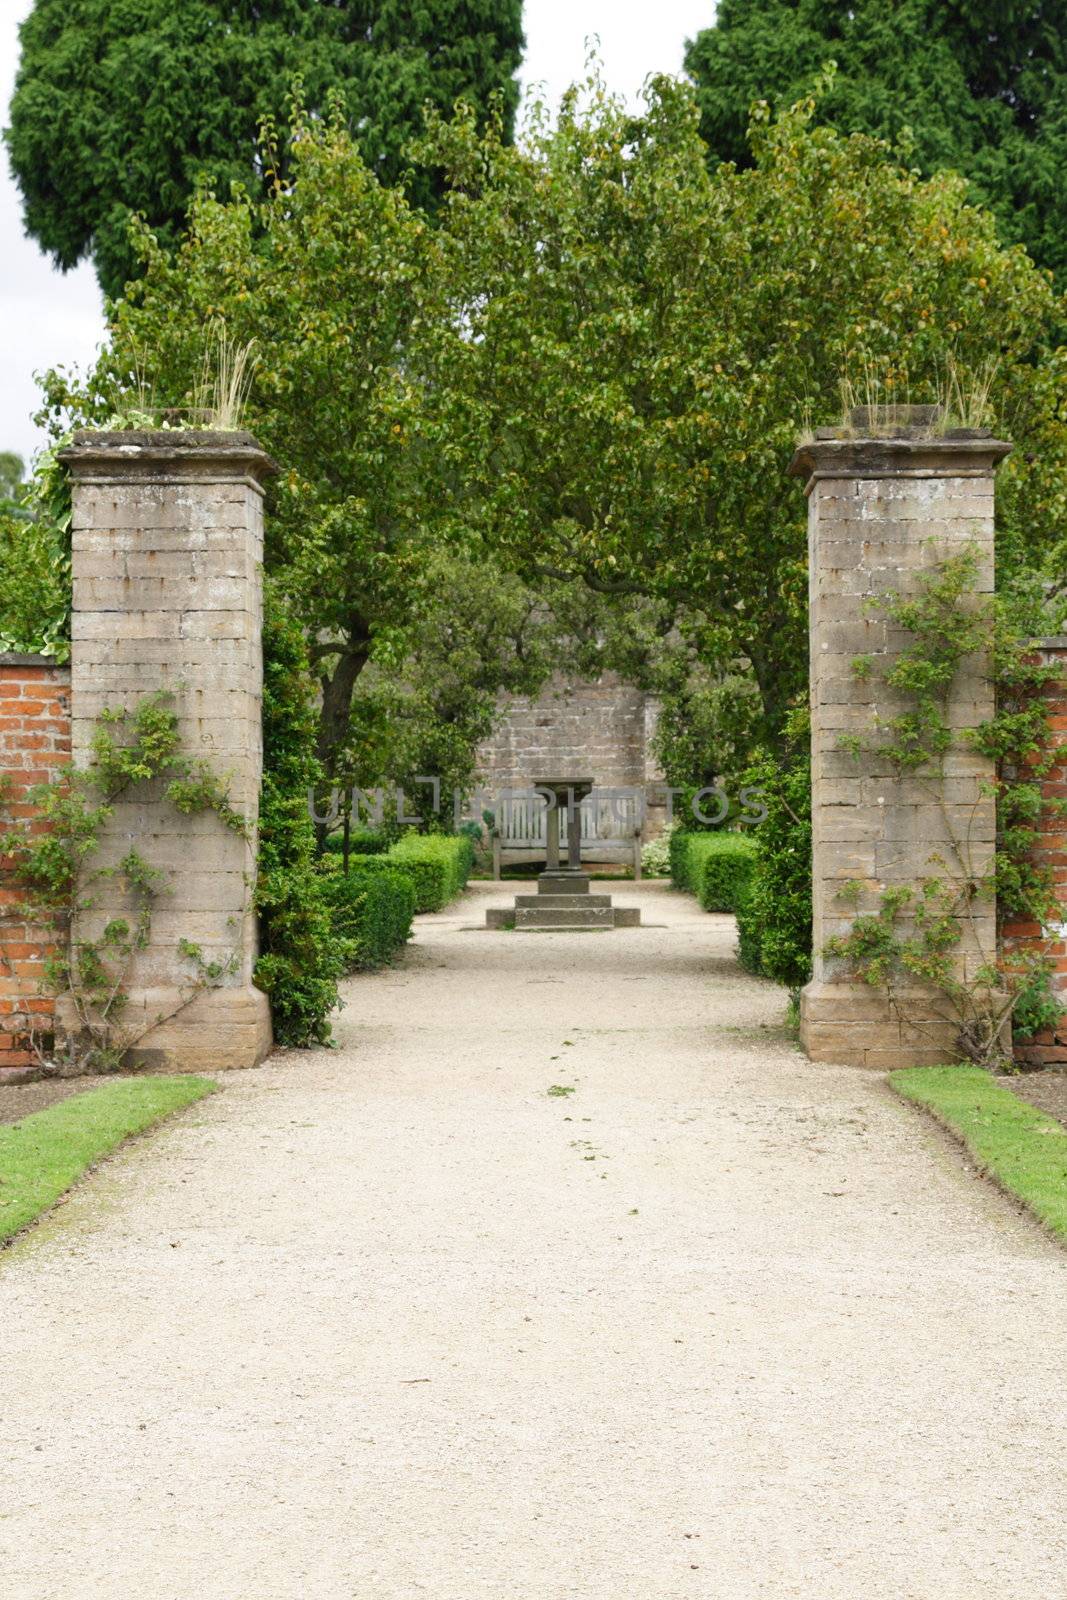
(909, 440)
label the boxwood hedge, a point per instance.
(716, 867)
(439, 863)
(371, 906)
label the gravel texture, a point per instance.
(395, 1321)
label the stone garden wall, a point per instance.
(34, 745)
(601, 729)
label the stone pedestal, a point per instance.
(886, 507)
(167, 559)
(564, 903)
(568, 793)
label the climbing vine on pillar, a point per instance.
(917, 933)
(56, 862)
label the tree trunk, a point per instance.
(338, 687)
(780, 683)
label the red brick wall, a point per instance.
(34, 742)
(1050, 1048)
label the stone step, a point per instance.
(560, 902)
(572, 917)
(627, 916)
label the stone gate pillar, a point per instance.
(167, 561)
(887, 504)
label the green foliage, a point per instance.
(1038, 1008)
(1017, 739)
(656, 855)
(978, 88)
(1013, 1143)
(12, 472)
(334, 279)
(54, 866)
(424, 708)
(43, 1154)
(774, 922)
(914, 934)
(679, 859)
(372, 906)
(620, 404)
(716, 867)
(361, 842)
(124, 109)
(300, 960)
(947, 624)
(710, 710)
(35, 575)
(439, 865)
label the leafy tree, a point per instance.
(122, 106)
(300, 958)
(328, 280)
(981, 88)
(324, 278)
(12, 471)
(474, 632)
(591, 371)
(634, 341)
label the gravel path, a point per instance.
(395, 1321)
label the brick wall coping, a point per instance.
(12, 658)
(173, 448)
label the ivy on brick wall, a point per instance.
(59, 874)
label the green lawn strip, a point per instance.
(41, 1156)
(1012, 1142)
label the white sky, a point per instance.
(50, 319)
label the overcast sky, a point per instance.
(48, 318)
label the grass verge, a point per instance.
(41, 1156)
(1013, 1143)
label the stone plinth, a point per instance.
(564, 903)
(884, 511)
(167, 559)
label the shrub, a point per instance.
(439, 863)
(656, 855)
(371, 907)
(362, 842)
(678, 856)
(300, 962)
(720, 868)
(774, 924)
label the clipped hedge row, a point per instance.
(439, 864)
(774, 925)
(371, 906)
(716, 867)
(361, 842)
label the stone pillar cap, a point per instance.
(912, 441)
(93, 448)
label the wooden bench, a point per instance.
(610, 830)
